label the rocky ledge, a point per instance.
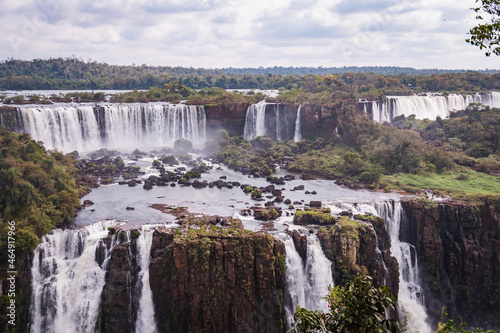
(218, 280)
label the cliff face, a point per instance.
(459, 246)
(230, 117)
(319, 121)
(218, 284)
(360, 246)
(120, 297)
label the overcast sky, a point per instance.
(245, 33)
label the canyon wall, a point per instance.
(230, 117)
(218, 284)
(459, 246)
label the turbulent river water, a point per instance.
(67, 280)
(65, 255)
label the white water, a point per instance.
(258, 123)
(306, 282)
(430, 107)
(410, 297)
(67, 281)
(145, 316)
(255, 121)
(88, 127)
(298, 135)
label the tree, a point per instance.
(487, 35)
(358, 307)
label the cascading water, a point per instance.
(298, 127)
(430, 107)
(410, 297)
(273, 120)
(306, 282)
(117, 126)
(145, 317)
(255, 121)
(67, 280)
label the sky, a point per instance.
(245, 33)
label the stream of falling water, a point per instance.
(67, 280)
(145, 317)
(410, 297)
(307, 280)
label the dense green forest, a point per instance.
(38, 192)
(73, 73)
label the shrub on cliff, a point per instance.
(357, 307)
(313, 217)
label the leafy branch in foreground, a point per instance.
(487, 35)
(357, 307)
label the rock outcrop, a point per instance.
(230, 117)
(314, 217)
(218, 283)
(319, 120)
(120, 298)
(459, 246)
(360, 246)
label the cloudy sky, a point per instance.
(245, 33)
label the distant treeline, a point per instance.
(74, 73)
(386, 70)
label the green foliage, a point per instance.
(239, 154)
(177, 83)
(486, 34)
(476, 183)
(193, 174)
(37, 190)
(170, 159)
(313, 217)
(256, 193)
(262, 142)
(135, 234)
(451, 327)
(357, 307)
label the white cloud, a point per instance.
(223, 33)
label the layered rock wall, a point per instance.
(230, 117)
(459, 246)
(218, 284)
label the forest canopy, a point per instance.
(74, 73)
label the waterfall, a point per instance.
(255, 121)
(410, 298)
(88, 127)
(278, 121)
(145, 316)
(298, 127)
(307, 282)
(430, 106)
(273, 120)
(67, 280)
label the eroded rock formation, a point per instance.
(360, 246)
(459, 246)
(218, 284)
